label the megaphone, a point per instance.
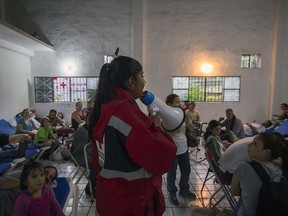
(172, 117)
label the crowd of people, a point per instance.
(130, 151)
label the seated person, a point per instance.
(270, 152)
(234, 129)
(191, 113)
(278, 119)
(256, 128)
(236, 153)
(78, 116)
(55, 121)
(216, 146)
(89, 107)
(25, 125)
(33, 117)
(45, 133)
(10, 187)
(186, 105)
(81, 138)
(60, 115)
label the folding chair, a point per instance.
(224, 184)
(65, 190)
(208, 176)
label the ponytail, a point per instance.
(104, 94)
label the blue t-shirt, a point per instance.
(28, 126)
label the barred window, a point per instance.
(207, 89)
(251, 61)
(64, 89)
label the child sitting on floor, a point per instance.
(37, 198)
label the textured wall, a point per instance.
(169, 37)
(14, 83)
(180, 35)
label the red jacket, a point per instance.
(132, 155)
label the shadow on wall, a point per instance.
(15, 13)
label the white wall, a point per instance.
(170, 38)
(180, 35)
(15, 79)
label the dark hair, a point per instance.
(114, 74)
(24, 110)
(28, 168)
(79, 102)
(42, 121)
(231, 125)
(170, 98)
(277, 145)
(284, 104)
(53, 111)
(212, 124)
(53, 167)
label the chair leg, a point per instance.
(206, 179)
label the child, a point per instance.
(37, 198)
(45, 133)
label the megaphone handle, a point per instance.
(156, 119)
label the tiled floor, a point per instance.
(198, 173)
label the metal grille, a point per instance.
(64, 89)
(207, 89)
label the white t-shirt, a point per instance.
(260, 128)
(179, 138)
(236, 153)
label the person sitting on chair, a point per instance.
(78, 116)
(270, 151)
(234, 129)
(55, 121)
(25, 125)
(216, 146)
(191, 113)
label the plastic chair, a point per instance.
(224, 183)
(65, 190)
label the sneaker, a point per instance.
(187, 194)
(174, 200)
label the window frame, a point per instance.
(224, 89)
(44, 85)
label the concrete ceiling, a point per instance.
(10, 36)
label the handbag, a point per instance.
(192, 141)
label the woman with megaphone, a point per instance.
(182, 157)
(132, 153)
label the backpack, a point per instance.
(273, 196)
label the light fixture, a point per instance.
(69, 67)
(206, 68)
